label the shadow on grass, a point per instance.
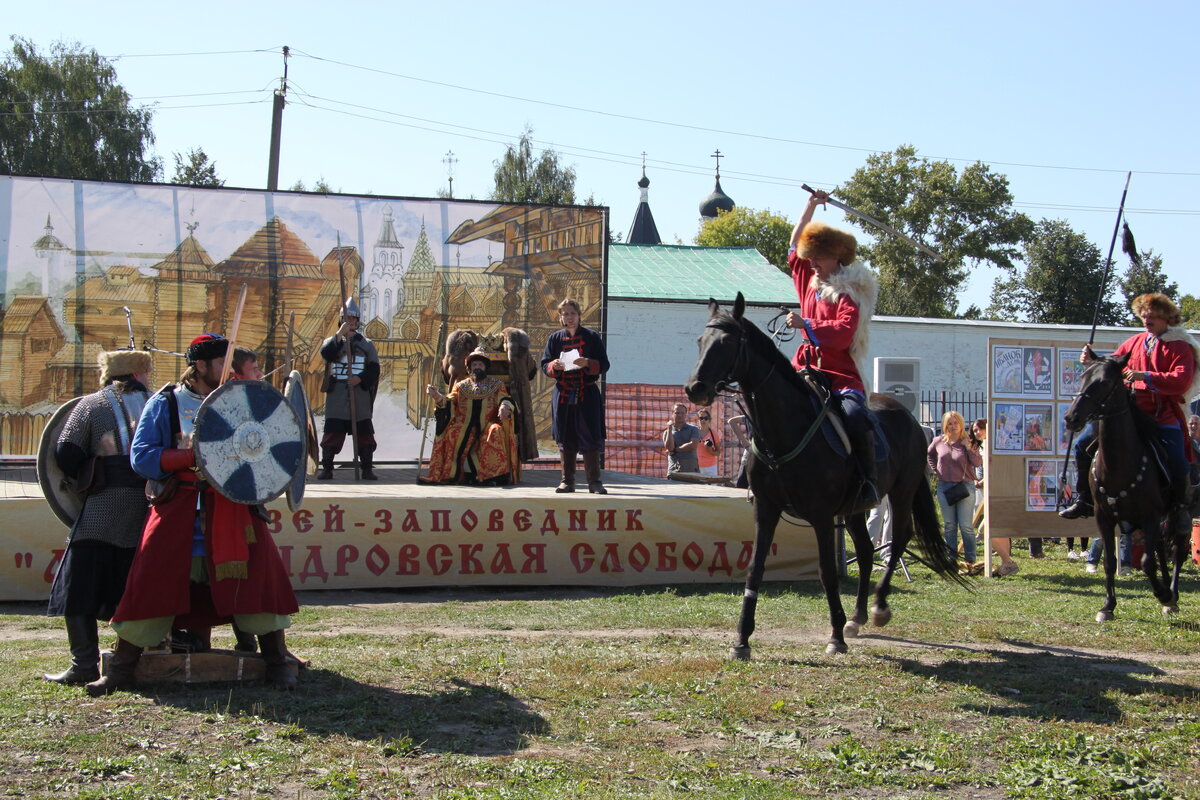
(465, 718)
(1048, 683)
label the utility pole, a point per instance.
(450, 161)
(277, 128)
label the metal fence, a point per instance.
(934, 404)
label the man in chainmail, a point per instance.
(94, 445)
(353, 367)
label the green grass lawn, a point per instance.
(1010, 690)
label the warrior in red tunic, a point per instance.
(203, 560)
(837, 299)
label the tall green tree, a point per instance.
(195, 169)
(766, 232)
(1059, 283)
(967, 217)
(1189, 306)
(522, 178)
(1148, 276)
(65, 115)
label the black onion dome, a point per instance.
(717, 201)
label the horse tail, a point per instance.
(928, 534)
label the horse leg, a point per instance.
(827, 555)
(1105, 526)
(766, 517)
(864, 551)
(902, 529)
(1155, 534)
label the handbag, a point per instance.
(956, 492)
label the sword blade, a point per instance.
(881, 225)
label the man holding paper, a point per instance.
(575, 359)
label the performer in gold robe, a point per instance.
(475, 441)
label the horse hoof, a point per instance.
(851, 629)
(1169, 610)
(835, 648)
(739, 652)
(1105, 616)
(881, 616)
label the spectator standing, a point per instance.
(708, 452)
(681, 440)
(953, 462)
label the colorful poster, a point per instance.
(1038, 375)
(1008, 431)
(1041, 484)
(1007, 367)
(1039, 428)
(1061, 427)
(1070, 371)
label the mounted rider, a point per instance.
(1161, 370)
(837, 300)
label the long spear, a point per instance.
(233, 334)
(1112, 245)
(349, 355)
(437, 376)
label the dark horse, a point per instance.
(1127, 483)
(792, 468)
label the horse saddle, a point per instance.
(835, 424)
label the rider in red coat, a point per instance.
(1162, 372)
(837, 299)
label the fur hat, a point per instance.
(205, 347)
(115, 363)
(477, 354)
(819, 240)
(1159, 305)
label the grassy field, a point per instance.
(1011, 690)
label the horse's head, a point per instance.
(1100, 389)
(722, 353)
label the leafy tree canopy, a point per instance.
(1148, 276)
(520, 178)
(1059, 284)
(767, 233)
(321, 186)
(1189, 305)
(195, 169)
(66, 116)
(967, 217)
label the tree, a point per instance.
(522, 179)
(1059, 284)
(322, 186)
(1148, 276)
(196, 169)
(967, 218)
(1189, 306)
(767, 233)
(66, 116)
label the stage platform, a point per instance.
(395, 532)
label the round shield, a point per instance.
(249, 442)
(59, 489)
(294, 392)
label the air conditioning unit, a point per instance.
(901, 378)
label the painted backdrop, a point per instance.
(87, 266)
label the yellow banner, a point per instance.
(378, 542)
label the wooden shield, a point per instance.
(294, 392)
(248, 441)
(57, 487)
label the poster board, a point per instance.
(1031, 383)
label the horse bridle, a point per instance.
(1101, 404)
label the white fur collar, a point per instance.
(857, 282)
(1179, 334)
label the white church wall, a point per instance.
(656, 343)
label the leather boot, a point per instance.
(246, 643)
(1082, 505)
(84, 641)
(364, 460)
(591, 464)
(864, 449)
(326, 472)
(120, 670)
(279, 668)
(568, 472)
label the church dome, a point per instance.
(717, 201)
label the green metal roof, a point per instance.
(682, 272)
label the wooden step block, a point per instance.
(162, 666)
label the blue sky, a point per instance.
(1062, 97)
